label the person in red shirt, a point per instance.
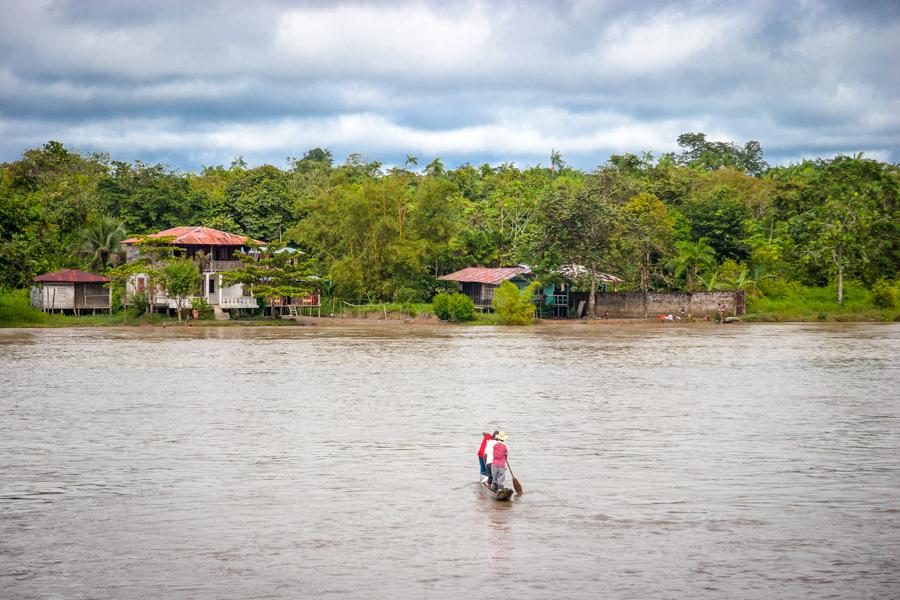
(485, 438)
(498, 466)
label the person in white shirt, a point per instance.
(489, 456)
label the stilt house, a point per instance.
(479, 283)
(70, 290)
(214, 252)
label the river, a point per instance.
(657, 460)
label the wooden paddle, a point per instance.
(516, 484)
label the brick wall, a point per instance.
(631, 304)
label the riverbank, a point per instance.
(487, 320)
(818, 307)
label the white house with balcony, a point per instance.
(214, 251)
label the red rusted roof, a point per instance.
(198, 236)
(485, 275)
(71, 276)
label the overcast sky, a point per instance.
(200, 83)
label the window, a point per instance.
(212, 285)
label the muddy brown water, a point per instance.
(658, 461)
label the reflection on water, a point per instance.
(658, 461)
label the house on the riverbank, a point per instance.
(555, 299)
(480, 283)
(71, 291)
(215, 253)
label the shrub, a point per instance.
(461, 308)
(513, 306)
(139, 304)
(883, 294)
(440, 305)
(203, 307)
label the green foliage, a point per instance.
(793, 301)
(691, 257)
(259, 202)
(648, 235)
(378, 237)
(139, 304)
(718, 213)
(884, 295)
(274, 271)
(453, 307)
(583, 223)
(440, 305)
(182, 279)
(148, 198)
(203, 308)
(460, 308)
(515, 307)
(15, 309)
(699, 152)
(101, 242)
(389, 235)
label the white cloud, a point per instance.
(472, 79)
(665, 41)
(383, 39)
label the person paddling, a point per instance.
(485, 437)
(498, 466)
(489, 456)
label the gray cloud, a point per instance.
(202, 82)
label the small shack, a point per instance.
(558, 297)
(479, 283)
(71, 290)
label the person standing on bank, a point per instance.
(498, 466)
(485, 472)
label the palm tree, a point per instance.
(435, 167)
(749, 282)
(712, 283)
(691, 257)
(557, 163)
(101, 242)
(411, 161)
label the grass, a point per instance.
(16, 311)
(413, 309)
(790, 301)
(784, 301)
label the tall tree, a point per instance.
(579, 226)
(182, 280)
(101, 242)
(147, 198)
(702, 153)
(649, 232)
(259, 202)
(691, 257)
(274, 272)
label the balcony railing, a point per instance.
(222, 265)
(239, 302)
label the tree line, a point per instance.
(711, 216)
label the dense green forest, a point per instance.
(712, 216)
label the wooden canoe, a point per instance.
(502, 494)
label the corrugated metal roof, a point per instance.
(575, 271)
(490, 276)
(70, 276)
(198, 236)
